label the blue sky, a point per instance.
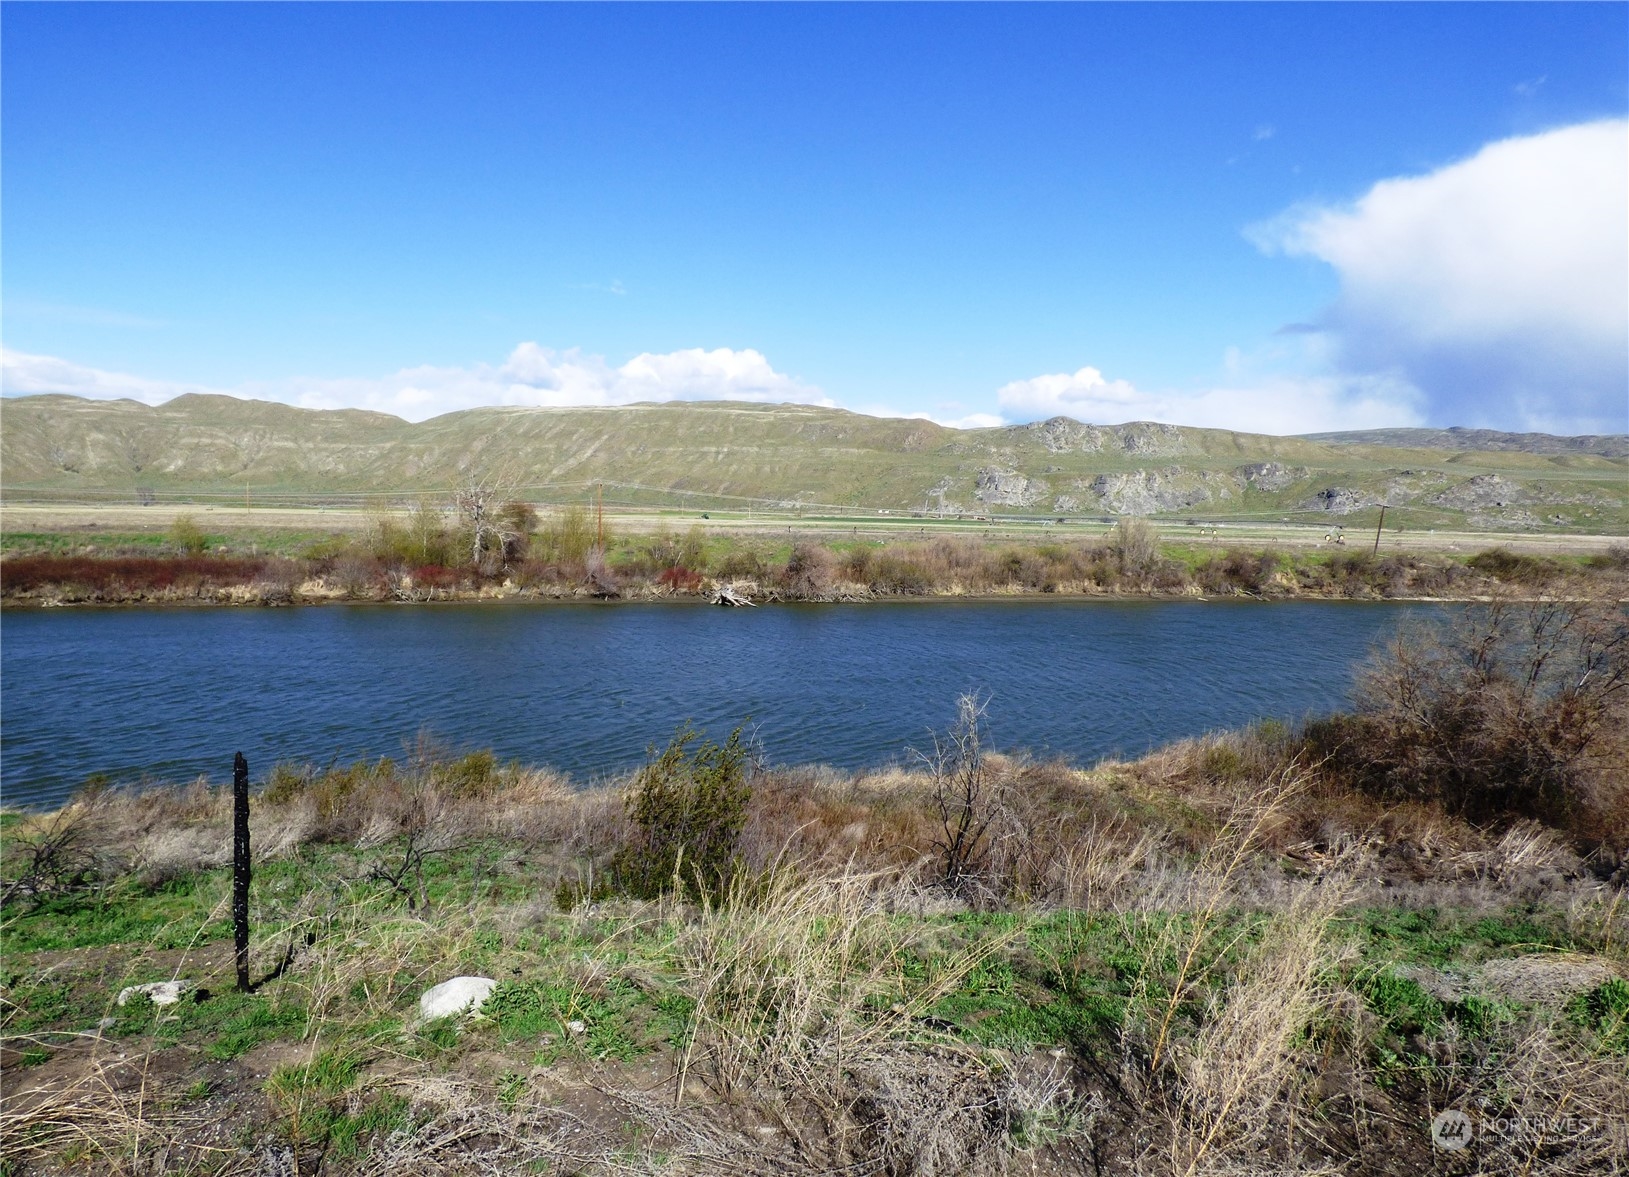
(1279, 217)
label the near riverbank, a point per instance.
(1285, 949)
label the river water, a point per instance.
(167, 694)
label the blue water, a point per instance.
(171, 693)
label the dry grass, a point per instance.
(1223, 867)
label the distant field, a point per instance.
(279, 526)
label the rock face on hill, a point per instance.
(1154, 492)
(1482, 492)
(1007, 488)
(1341, 500)
(722, 456)
(1066, 435)
(1271, 477)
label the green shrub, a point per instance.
(286, 782)
(1401, 1005)
(688, 804)
(1604, 1010)
(472, 775)
(187, 536)
(1503, 564)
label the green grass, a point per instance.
(1438, 938)
(176, 916)
(613, 986)
(247, 1022)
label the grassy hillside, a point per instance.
(702, 454)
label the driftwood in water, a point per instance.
(726, 595)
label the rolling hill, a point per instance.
(721, 454)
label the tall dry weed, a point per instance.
(805, 1008)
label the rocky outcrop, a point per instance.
(1341, 500)
(1150, 492)
(1007, 488)
(1271, 477)
(1150, 437)
(1481, 493)
(1066, 435)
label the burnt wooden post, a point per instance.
(240, 868)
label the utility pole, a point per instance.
(599, 517)
(1377, 528)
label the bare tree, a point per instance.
(483, 504)
(967, 795)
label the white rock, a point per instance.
(455, 997)
(577, 1027)
(158, 992)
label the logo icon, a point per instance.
(1451, 1130)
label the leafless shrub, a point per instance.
(54, 857)
(1134, 544)
(1239, 571)
(357, 575)
(1520, 711)
(808, 573)
(600, 579)
(968, 797)
(1103, 866)
(278, 582)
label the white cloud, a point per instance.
(532, 375)
(965, 421)
(1498, 285)
(1276, 405)
(970, 421)
(21, 372)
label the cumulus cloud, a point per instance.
(23, 373)
(1276, 405)
(532, 375)
(1497, 285)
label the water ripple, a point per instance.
(170, 694)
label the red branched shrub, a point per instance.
(680, 580)
(436, 576)
(126, 574)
